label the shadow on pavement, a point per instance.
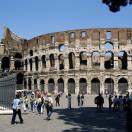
(88, 120)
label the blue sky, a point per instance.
(30, 18)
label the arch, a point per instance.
(109, 46)
(109, 86)
(42, 85)
(95, 59)
(52, 60)
(83, 85)
(31, 52)
(43, 58)
(30, 63)
(36, 63)
(35, 84)
(109, 60)
(5, 66)
(20, 78)
(18, 61)
(71, 86)
(60, 85)
(61, 47)
(25, 84)
(122, 60)
(95, 86)
(51, 85)
(29, 84)
(26, 63)
(71, 60)
(61, 61)
(122, 86)
(83, 58)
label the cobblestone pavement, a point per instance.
(84, 119)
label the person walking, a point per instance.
(49, 106)
(82, 100)
(16, 106)
(110, 102)
(57, 99)
(69, 100)
(99, 100)
(78, 99)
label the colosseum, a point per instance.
(91, 61)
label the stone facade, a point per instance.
(91, 61)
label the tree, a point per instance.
(114, 5)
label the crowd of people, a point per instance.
(41, 102)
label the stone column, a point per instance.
(47, 63)
(66, 62)
(56, 62)
(77, 62)
(33, 65)
(102, 61)
(46, 84)
(129, 63)
(76, 85)
(66, 85)
(88, 85)
(12, 65)
(89, 63)
(116, 67)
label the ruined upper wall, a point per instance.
(94, 35)
(11, 41)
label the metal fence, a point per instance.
(7, 91)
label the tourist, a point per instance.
(99, 100)
(110, 102)
(115, 102)
(49, 106)
(78, 99)
(82, 100)
(16, 106)
(57, 99)
(69, 100)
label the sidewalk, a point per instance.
(5, 111)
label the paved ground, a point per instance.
(85, 119)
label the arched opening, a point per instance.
(122, 60)
(71, 86)
(61, 62)
(51, 86)
(30, 63)
(5, 66)
(36, 63)
(83, 58)
(31, 52)
(109, 86)
(29, 84)
(60, 85)
(18, 61)
(95, 59)
(122, 86)
(35, 84)
(52, 60)
(71, 60)
(25, 84)
(26, 63)
(19, 81)
(61, 47)
(95, 86)
(109, 60)
(83, 86)
(43, 61)
(42, 85)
